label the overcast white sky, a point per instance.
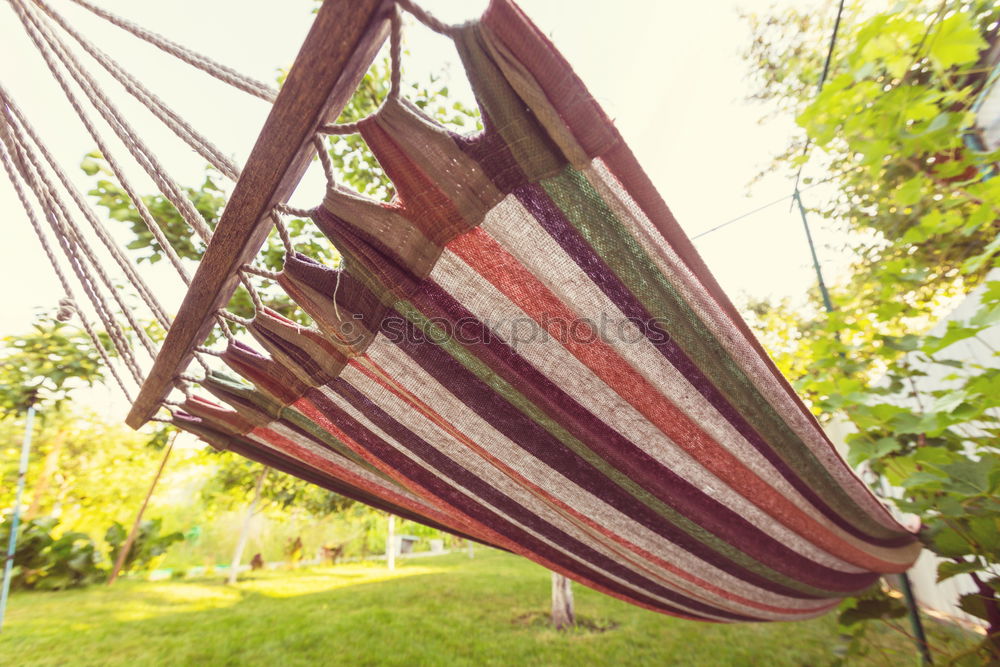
(669, 72)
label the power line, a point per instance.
(822, 80)
(757, 210)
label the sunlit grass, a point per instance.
(445, 610)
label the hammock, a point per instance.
(521, 343)
(523, 348)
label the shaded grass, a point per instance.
(446, 610)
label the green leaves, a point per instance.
(45, 365)
(955, 42)
(44, 562)
(149, 544)
(871, 605)
(888, 130)
(949, 569)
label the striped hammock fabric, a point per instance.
(524, 349)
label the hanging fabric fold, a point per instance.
(524, 347)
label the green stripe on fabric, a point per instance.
(296, 418)
(480, 369)
(605, 233)
(530, 145)
(278, 412)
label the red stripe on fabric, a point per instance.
(487, 257)
(480, 531)
(420, 198)
(382, 378)
(289, 446)
(477, 529)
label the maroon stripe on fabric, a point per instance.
(346, 453)
(490, 150)
(266, 374)
(287, 464)
(530, 436)
(621, 453)
(534, 198)
(460, 478)
(367, 252)
(351, 294)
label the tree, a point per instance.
(45, 366)
(920, 206)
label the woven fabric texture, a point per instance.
(523, 348)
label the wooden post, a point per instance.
(234, 568)
(563, 614)
(468, 543)
(390, 544)
(134, 532)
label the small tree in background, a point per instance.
(893, 129)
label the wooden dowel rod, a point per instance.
(342, 43)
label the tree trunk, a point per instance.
(234, 568)
(390, 544)
(563, 614)
(45, 476)
(134, 532)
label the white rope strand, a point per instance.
(429, 20)
(395, 78)
(319, 141)
(52, 208)
(62, 222)
(205, 64)
(121, 259)
(137, 201)
(117, 121)
(12, 174)
(134, 87)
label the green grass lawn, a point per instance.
(445, 610)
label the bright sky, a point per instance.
(670, 73)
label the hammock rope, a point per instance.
(14, 175)
(180, 127)
(62, 227)
(124, 262)
(395, 88)
(53, 49)
(71, 245)
(198, 60)
(51, 46)
(113, 163)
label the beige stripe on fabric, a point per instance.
(385, 224)
(528, 89)
(437, 155)
(552, 359)
(677, 272)
(495, 478)
(519, 233)
(339, 324)
(427, 389)
(336, 460)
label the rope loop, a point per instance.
(225, 314)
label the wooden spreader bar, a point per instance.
(342, 43)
